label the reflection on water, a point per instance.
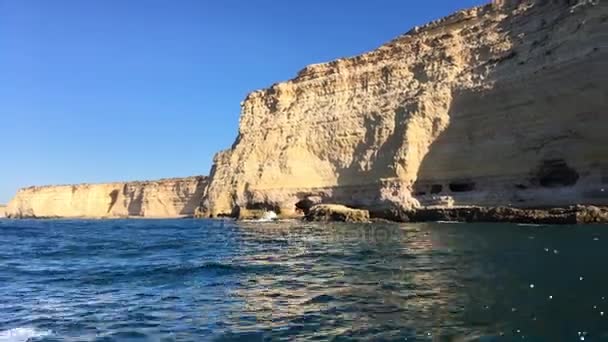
(207, 280)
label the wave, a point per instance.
(216, 267)
(22, 334)
(165, 272)
(321, 299)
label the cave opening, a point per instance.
(556, 173)
(462, 186)
(304, 206)
(263, 207)
(436, 189)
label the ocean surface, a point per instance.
(193, 280)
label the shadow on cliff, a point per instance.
(477, 120)
(135, 204)
(195, 201)
(493, 143)
(373, 161)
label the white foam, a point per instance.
(22, 334)
(269, 216)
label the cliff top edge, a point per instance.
(493, 7)
(144, 182)
(462, 14)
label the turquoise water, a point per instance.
(191, 280)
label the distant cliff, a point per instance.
(500, 105)
(166, 198)
(2, 211)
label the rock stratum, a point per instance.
(165, 198)
(499, 105)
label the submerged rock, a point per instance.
(337, 213)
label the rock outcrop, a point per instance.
(166, 198)
(336, 213)
(2, 211)
(499, 105)
(572, 215)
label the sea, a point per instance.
(204, 280)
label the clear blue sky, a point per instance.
(107, 90)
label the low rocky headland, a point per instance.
(495, 113)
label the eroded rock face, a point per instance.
(500, 105)
(178, 197)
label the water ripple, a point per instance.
(189, 280)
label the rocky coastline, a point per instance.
(579, 214)
(492, 114)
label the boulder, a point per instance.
(591, 214)
(336, 213)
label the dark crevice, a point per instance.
(501, 59)
(113, 199)
(462, 186)
(304, 206)
(436, 188)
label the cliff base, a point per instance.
(336, 213)
(579, 214)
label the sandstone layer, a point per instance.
(499, 105)
(165, 198)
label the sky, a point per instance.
(112, 90)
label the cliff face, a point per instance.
(2, 211)
(164, 198)
(498, 105)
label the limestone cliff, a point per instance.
(503, 104)
(164, 198)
